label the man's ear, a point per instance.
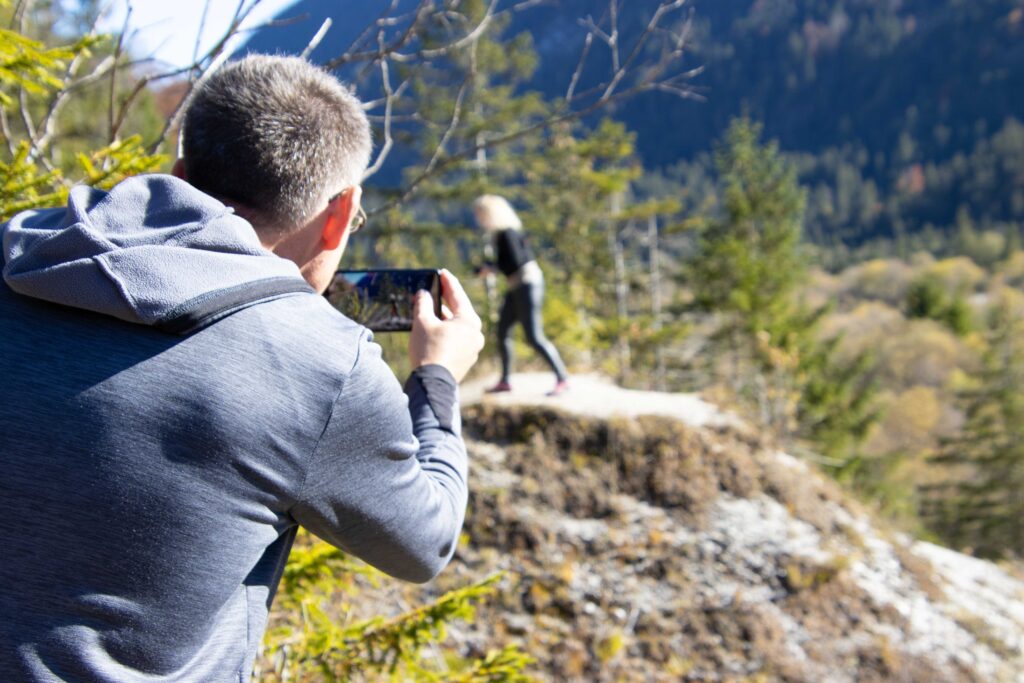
(178, 170)
(340, 213)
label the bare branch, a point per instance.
(408, 35)
(314, 42)
(629, 77)
(683, 92)
(421, 13)
(113, 124)
(470, 39)
(587, 42)
(596, 30)
(5, 129)
(613, 9)
(470, 151)
(452, 124)
(26, 118)
(389, 99)
(26, 121)
(48, 124)
(399, 40)
(621, 71)
(199, 33)
(384, 19)
(369, 105)
(18, 15)
(528, 4)
(213, 58)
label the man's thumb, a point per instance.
(423, 307)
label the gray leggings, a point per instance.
(524, 304)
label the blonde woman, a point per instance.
(524, 298)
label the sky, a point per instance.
(166, 29)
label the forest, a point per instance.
(901, 117)
(809, 213)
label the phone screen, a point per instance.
(382, 299)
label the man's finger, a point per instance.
(446, 313)
(454, 295)
(423, 307)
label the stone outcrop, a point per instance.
(666, 548)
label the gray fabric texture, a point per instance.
(154, 482)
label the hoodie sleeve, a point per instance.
(387, 482)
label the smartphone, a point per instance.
(382, 299)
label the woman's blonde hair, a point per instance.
(495, 213)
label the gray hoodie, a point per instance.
(174, 402)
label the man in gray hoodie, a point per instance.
(176, 398)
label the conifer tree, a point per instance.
(750, 261)
(749, 266)
(748, 269)
(983, 508)
(927, 298)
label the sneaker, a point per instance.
(561, 387)
(500, 388)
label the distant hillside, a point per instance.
(898, 108)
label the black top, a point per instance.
(513, 247)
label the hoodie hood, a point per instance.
(154, 250)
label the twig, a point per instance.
(48, 124)
(470, 39)
(111, 120)
(23, 112)
(577, 74)
(389, 99)
(407, 35)
(452, 124)
(470, 151)
(314, 42)
(216, 55)
(5, 129)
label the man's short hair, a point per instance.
(275, 135)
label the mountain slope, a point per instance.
(819, 74)
(903, 114)
(683, 547)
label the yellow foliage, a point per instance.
(678, 666)
(563, 323)
(923, 353)
(910, 424)
(921, 259)
(918, 409)
(962, 381)
(803, 577)
(1013, 269)
(882, 279)
(863, 327)
(821, 288)
(609, 646)
(957, 274)
(1009, 298)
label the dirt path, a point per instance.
(596, 396)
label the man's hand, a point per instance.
(454, 342)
